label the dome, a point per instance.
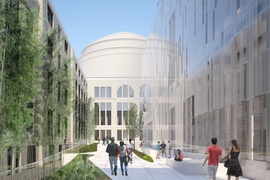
(115, 55)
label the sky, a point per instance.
(85, 21)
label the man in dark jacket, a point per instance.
(112, 149)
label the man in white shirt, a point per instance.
(130, 147)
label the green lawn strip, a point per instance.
(143, 156)
(80, 168)
(85, 149)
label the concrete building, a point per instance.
(62, 130)
(75, 125)
(112, 68)
(206, 73)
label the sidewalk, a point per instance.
(143, 170)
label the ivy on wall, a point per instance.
(36, 79)
(21, 64)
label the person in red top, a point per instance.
(180, 156)
(214, 154)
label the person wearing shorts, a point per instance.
(163, 149)
(213, 157)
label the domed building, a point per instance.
(112, 68)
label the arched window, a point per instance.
(131, 92)
(125, 91)
(119, 92)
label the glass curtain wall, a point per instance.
(210, 61)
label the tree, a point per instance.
(90, 119)
(134, 123)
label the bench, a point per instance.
(188, 166)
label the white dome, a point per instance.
(115, 55)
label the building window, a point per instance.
(109, 92)
(65, 127)
(66, 47)
(259, 44)
(49, 122)
(96, 92)
(125, 109)
(125, 135)
(238, 59)
(97, 113)
(109, 114)
(172, 116)
(119, 135)
(119, 92)
(125, 91)
(31, 154)
(59, 92)
(50, 48)
(97, 134)
(58, 125)
(109, 133)
(50, 16)
(66, 69)
(102, 92)
(59, 61)
(50, 82)
(131, 92)
(119, 113)
(102, 113)
(66, 97)
(59, 33)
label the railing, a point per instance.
(36, 170)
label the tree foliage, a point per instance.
(90, 119)
(134, 123)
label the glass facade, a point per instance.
(206, 73)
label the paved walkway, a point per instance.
(143, 170)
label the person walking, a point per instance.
(113, 151)
(163, 149)
(235, 169)
(103, 140)
(124, 152)
(169, 149)
(214, 154)
(158, 150)
(130, 147)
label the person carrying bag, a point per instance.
(232, 163)
(124, 158)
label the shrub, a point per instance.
(85, 149)
(143, 156)
(79, 168)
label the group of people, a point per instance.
(121, 151)
(105, 140)
(214, 156)
(161, 148)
